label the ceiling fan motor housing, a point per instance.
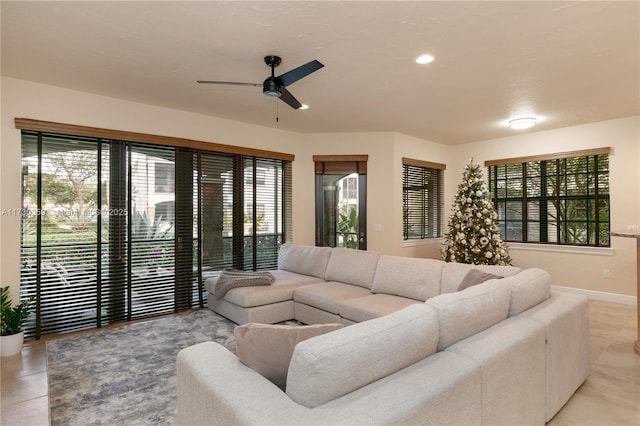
(272, 87)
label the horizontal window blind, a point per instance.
(422, 199)
(60, 233)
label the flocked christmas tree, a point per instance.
(473, 235)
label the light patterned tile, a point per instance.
(23, 388)
(34, 412)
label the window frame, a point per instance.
(558, 174)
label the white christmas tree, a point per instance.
(473, 235)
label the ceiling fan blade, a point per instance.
(289, 99)
(302, 71)
(233, 83)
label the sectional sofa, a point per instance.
(416, 349)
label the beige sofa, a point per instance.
(326, 285)
(506, 351)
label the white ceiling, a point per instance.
(567, 62)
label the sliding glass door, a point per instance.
(114, 230)
(60, 232)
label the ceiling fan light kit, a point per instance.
(276, 86)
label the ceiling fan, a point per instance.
(276, 86)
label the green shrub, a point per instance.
(12, 318)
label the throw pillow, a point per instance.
(474, 277)
(267, 348)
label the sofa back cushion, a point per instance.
(267, 348)
(528, 288)
(467, 312)
(350, 266)
(306, 260)
(410, 277)
(453, 273)
(327, 367)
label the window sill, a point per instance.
(422, 242)
(595, 251)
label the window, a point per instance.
(164, 175)
(559, 199)
(341, 200)
(422, 199)
(349, 188)
(117, 230)
(260, 177)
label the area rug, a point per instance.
(126, 375)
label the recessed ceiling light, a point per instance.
(522, 123)
(304, 106)
(424, 59)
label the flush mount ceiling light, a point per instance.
(304, 106)
(522, 123)
(424, 59)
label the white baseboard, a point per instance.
(599, 295)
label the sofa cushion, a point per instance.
(475, 277)
(468, 312)
(326, 367)
(307, 260)
(328, 296)
(453, 273)
(376, 305)
(281, 290)
(528, 288)
(267, 348)
(410, 277)
(352, 266)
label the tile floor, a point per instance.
(610, 396)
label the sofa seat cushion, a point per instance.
(350, 266)
(281, 289)
(453, 273)
(307, 260)
(376, 305)
(268, 348)
(328, 296)
(467, 312)
(410, 277)
(329, 366)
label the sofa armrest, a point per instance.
(566, 320)
(215, 388)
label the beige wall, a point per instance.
(583, 271)
(385, 150)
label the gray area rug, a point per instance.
(126, 375)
